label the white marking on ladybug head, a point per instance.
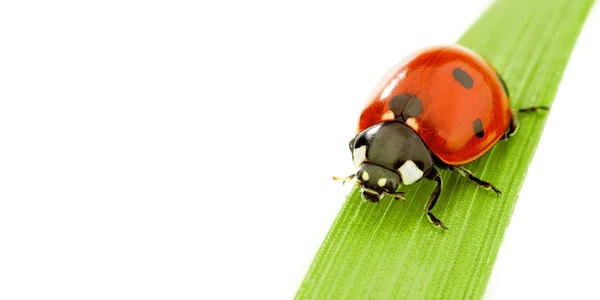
(381, 182)
(359, 155)
(410, 172)
(365, 176)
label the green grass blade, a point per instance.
(390, 250)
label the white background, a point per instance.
(180, 150)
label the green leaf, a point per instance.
(391, 250)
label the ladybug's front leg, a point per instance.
(435, 175)
(398, 196)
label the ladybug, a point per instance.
(443, 107)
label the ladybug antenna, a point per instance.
(347, 179)
(398, 195)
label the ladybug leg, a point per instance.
(467, 174)
(514, 123)
(398, 196)
(533, 109)
(433, 198)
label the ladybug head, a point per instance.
(386, 155)
(376, 181)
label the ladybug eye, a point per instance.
(351, 144)
(390, 184)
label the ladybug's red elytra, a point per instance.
(443, 107)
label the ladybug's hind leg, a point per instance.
(467, 174)
(514, 122)
(433, 198)
(513, 126)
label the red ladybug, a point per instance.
(444, 107)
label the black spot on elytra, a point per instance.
(462, 77)
(405, 106)
(503, 84)
(478, 128)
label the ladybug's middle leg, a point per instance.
(467, 174)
